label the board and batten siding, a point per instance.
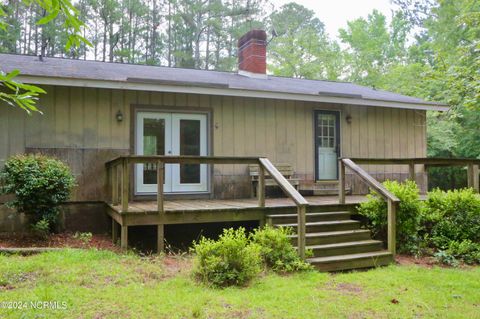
(79, 126)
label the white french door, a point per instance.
(171, 134)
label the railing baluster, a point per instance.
(114, 172)
(261, 186)
(341, 182)
(160, 179)
(125, 184)
(476, 179)
(108, 184)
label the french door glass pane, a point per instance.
(190, 145)
(153, 144)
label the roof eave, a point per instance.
(139, 86)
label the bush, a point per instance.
(467, 251)
(41, 229)
(230, 260)
(444, 257)
(276, 249)
(452, 216)
(452, 223)
(40, 184)
(85, 238)
(408, 214)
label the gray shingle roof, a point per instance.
(93, 70)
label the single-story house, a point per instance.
(96, 111)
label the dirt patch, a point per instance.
(10, 281)
(363, 315)
(348, 288)
(345, 288)
(6, 287)
(61, 240)
(174, 265)
(426, 261)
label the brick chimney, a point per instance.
(252, 53)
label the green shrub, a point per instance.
(41, 229)
(230, 260)
(408, 214)
(444, 257)
(40, 184)
(452, 223)
(277, 250)
(85, 238)
(466, 251)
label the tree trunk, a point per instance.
(104, 50)
(169, 33)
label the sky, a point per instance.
(335, 13)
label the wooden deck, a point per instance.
(193, 205)
(192, 211)
(302, 212)
(212, 210)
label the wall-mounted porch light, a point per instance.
(348, 118)
(119, 116)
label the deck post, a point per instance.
(261, 186)
(125, 184)
(114, 231)
(114, 175)
(108, 184)
(392, 226)
(476, 179)
(301, 211)
(160, 178)
(160, 238)
(472, 176)
(411, 171)
(341, 182)
(262, 222)
(124, 237)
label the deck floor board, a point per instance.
(179, 205)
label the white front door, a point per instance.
(327, 142)
(171, 134)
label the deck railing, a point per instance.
(119, 171)
(471, 164)
(392, 201)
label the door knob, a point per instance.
(169, 152)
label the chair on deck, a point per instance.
(285, 169)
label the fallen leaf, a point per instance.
(394, 301)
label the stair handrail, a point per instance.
(392, 200)
(290, 191)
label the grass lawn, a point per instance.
(103, 284)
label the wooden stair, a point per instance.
(336, 241)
